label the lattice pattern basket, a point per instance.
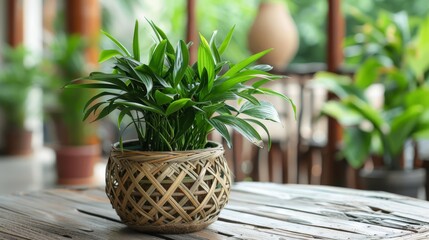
(168, 192)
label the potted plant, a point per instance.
(391, 51)
(371, 131)
(78, 147)
(17, 79)
(172, 179)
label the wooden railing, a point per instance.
(298, 146)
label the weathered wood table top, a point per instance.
(255, 211)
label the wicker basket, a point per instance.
(168, 192)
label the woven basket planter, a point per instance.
(168, 192)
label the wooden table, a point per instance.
(255, 211)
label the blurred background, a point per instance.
(44, 44)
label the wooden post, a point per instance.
(335, 36)
(83, 17)
(15, 20)
(191, 30)
(335, 30)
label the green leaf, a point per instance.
(213, 38)
(419, 96)
(338, 84)
(402, 128)
(114, 79)
(177, 105)
(97, 96)
(92, 85)
(157, 58)
(205, 61)
(264, 110)
(264, 128)
(422, 132)
(248, 95)
(226, 41)
(260, 83)
(144, 74)
(246, 62)
(105, 111)
(138, 106)
(203, 89)
(114, 40)
(214, 50)
(357, 146)
(136, 47)
(211, 109)
(124, 66)
(181, 62)
(344, 114)
(242, 127)
(162, 98)
(161, 36)
(186, 122)
(396, 80)
(422, 129)
(262, 67)
(92, 109)
(242, 77)
(400, 19)
(108, 54)
(367, 112)
(121, 116)
(417, 58)
(268, 91)
(367, 73)
(221, 128)
(141, 78)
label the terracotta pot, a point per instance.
(75, 164)
(404, 182)
(274, 28)
(18, 141)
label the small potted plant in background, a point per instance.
(369, 131)
(394, 56)
(17, 79)
(78, 147)
(172, 179)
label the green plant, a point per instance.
(392, 50)
(173, 105)
(368, 130)
(67, 62)
(16, 80)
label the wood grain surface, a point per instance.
(255, 211)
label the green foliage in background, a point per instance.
(391, 50)
(309, 16)
(220, 15)
(310, 19)
(174, 105)
(368, 130)
(17, 78)
(66, 62)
